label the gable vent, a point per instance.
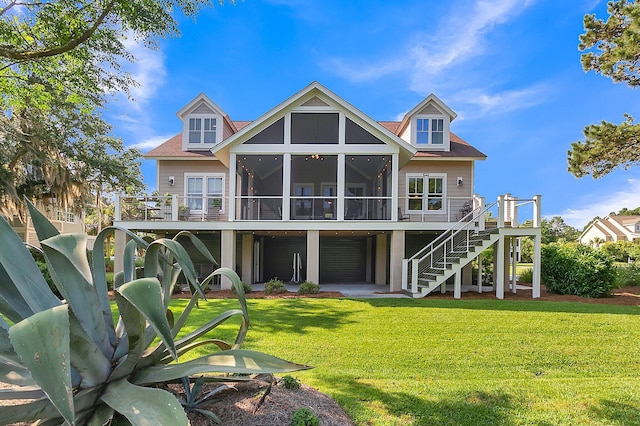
(430, 109)
(315, 101)
(202, 109)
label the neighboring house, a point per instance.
(612, 228)
(315, 189)
(64, 220)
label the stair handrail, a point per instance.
(411, 265)
(451, 229)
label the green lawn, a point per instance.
(466, 362)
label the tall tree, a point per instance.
(59, 62)
(612, 48)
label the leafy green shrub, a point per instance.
(44, 270)
(247, 288)
(309, 287)
(526, 276)
(304, 417)
(627, 276)
(108, 264)
(577, 269)
(274, 286)
(71, 360)
(290, 382)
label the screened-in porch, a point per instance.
(315, 187)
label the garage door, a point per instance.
(343, 260)
(278, 257)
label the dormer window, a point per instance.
(430, 131)
(202, 130)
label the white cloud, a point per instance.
(602, 204)
(148, 71)
(150, 143)
(478, 102)
(458, 39)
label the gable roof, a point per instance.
(314, 93)
(317, 95)
(195, 102)
(172, 148)
(431, 99)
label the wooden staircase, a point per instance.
(451, 251)
(446, 260)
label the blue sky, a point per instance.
(509, 68)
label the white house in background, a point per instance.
(612, 228)
(316, 189)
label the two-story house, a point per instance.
(612, 228)
(315, 189)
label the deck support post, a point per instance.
(479, 273)
(228, 255)
(514, 262)
(313, 256)
(535, 293)
(457, 285)
(499, 270)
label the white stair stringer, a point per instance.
(432, 277)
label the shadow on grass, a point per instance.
(295, 316)
(616, 413)
(364, 402)
(506, 305)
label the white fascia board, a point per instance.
(200, 98)
(291, 103)
(431, 98)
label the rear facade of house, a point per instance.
(313, 190)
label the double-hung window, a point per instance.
(205, 193)
(429, 131)
(426, 193)
(202, 130)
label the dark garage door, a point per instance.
(278, 257)
(343, 260)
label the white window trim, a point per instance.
(201, 146)
(425, 193)
(446, 137)
(204, 177)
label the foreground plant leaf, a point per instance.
(42, 342)
(144, 406)
(234, 361)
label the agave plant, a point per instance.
(76, 364)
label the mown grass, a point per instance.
(466, 362)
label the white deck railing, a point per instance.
(272, 208)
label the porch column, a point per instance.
(457, 285)
(342, 171)
(231, 204)
(395, 194)
(120, 241)
(286, 185)
(313, 256)
(381, 259)
(498, 268)
(247, 258)
(227, 254)
(395, 262)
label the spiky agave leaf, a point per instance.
(42, 342)
(144, 406)
(69, 267)
(23, 291)
(234, 361)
